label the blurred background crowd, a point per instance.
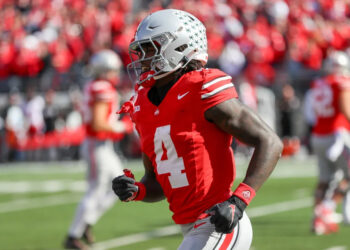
(273, 49)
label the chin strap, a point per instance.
(156, 77)
(148, 83)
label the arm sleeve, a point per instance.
(344, 83)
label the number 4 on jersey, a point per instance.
(172, 163)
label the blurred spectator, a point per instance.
(232, 60)
(7, 54)
(50, 112)
(309, 117)
(288, 107)
(74, 118)
(266, 32)
(15, 127)
(3, 148)
(289, 119)
(74, 121)
(33, 110)
(261, 99)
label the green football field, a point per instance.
(38, 201)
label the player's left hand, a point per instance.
(125, 188)
(225, 215)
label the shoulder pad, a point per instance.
(203, 75)
(210, 74)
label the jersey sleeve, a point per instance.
(344, 83)
(217, 88)
(102, 91)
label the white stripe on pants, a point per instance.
(202, 235)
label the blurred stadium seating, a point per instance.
(270, 48)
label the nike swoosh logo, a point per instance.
(182, 96)
(198, 225)
(153, 27)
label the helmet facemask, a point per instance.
(155, 64)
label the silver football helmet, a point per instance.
(103, 61)
(175, 36)
(337, 62)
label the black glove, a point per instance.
(124, 187)
(225, 215)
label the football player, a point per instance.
(102, 128)
(186, 116)
(329, 99)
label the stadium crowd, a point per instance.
(273, 49)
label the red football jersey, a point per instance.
(325, 102)
(192, 158)
(97, 91)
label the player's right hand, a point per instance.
(124, 187)
(226, 215)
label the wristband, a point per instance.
(141, 193)
(245, 192)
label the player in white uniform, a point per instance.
(102, 128)
(329, 99)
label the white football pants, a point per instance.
(333, 169)
(346, 208)
(202, 235)
(103, 166)
(324, 147)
